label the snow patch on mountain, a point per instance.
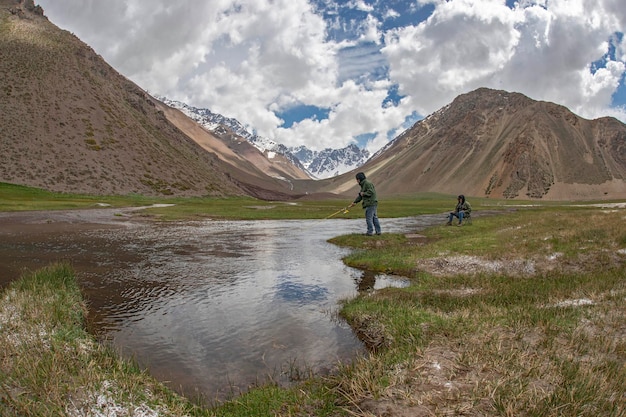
(330, 162)
(318, 164)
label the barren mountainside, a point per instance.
(503, 145)
(229, 133)
(257, 174)
(71, 123)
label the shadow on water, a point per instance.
(214, 307)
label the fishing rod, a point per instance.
(343, 210)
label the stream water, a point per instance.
(213, 307)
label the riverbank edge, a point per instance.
(52, 366)
(519, 314)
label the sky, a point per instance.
(326, 74)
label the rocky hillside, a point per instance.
(505, 145)
(71, 123)
(255, 172)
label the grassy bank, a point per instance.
(21, 198)
(521, 314)
(52, 367)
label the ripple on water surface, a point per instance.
(216, 306)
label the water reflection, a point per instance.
(370, 281)
(215, 306)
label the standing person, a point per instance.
(370, 204)
(462, 209)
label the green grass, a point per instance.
(20, 198)
(539, 230)
(511, 341)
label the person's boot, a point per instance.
(449, 224)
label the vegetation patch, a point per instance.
(514, 315)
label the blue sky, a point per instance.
(612, 54)
(327, 73)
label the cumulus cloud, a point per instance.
(536, 50)
(371, 66)
(457, 48)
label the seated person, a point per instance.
(462, 209)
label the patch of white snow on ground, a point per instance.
(575, 303)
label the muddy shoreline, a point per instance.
(58, 221)
(41, 226)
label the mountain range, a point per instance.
(499, 144)
(71, 123)
(318, 164)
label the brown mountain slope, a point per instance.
(234, 149)
(70, 123)
(500, 144)
(250, 168)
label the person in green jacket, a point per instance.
(370, 203)
(462, 209)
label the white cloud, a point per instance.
(252, 59)
(371, 32)
(454, 51)
(351, 115)
(391, 14)
(538, 51)
(361, 5)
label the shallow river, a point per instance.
(214, 306)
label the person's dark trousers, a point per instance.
(460, 215)
(371, 218)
